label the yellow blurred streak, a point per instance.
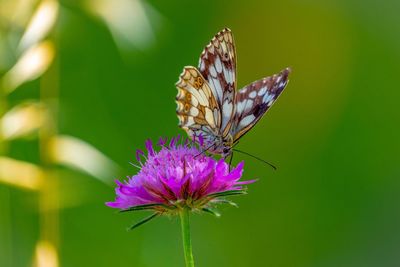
(46, 255)
(33, 63)
(20, 174)
(14, 16)
(40, 24)
(128, 21)
(22, 120)
(77, 154)
(17, 12)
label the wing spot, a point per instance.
(217, 87)
(209, 117)
(198, 82)
(194, 111)
(253, 94)
(213, 71)
(267, 98)
(262, 91)
(218, 64)
(246, 121)
(187, 107)
(240, 107)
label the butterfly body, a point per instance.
(209, 107)
(222, 145)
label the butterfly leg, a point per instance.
(230, 161)
(204, 150)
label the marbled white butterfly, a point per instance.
(208, 104)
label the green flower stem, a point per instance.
(187, 242)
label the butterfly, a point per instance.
(208, 105)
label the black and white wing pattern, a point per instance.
(217, 64)
(254, 100)
(208, 104)
(197, 108)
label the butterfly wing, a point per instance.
(197, 110)
(217, 64)
(254, 100)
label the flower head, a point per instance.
(177, 176)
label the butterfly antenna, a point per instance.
(248, 154)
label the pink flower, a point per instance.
(178, 176)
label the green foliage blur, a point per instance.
(334, 134)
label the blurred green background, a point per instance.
(109, 82)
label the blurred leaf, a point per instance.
(77, 154)
(128, 20)
(17, 12)
(46, 255)
(22, 120)
(14, 16)
(33, 63)
(21, 174)
(40, 24)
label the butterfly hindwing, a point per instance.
(197, 108)
(254, 100)
(217, 64)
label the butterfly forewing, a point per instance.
(197, 108)
(217, 64)
(254, 100)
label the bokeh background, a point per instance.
(84, 83)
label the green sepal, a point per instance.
(212, 211)
(143, 221)
(227, 193)
(145, 207)
(225, 201)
